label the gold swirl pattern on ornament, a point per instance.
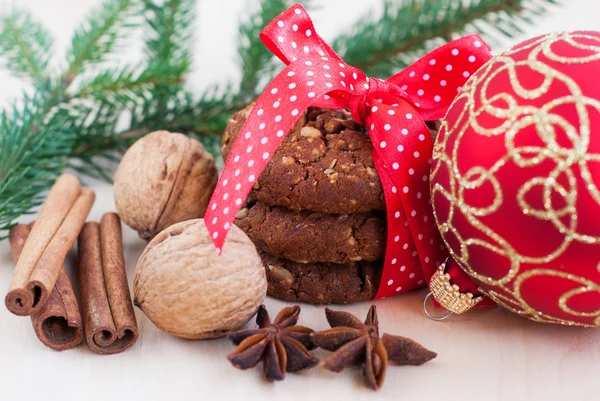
(560, 182)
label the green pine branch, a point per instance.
(97, 141)
(172, 107)
(42, 137)
(204, 118)
(154, 96)
(168, 41)
(98, 36)
(406, 30)
(129, 81)
(33, 152)
(25, 44)
(171, 30)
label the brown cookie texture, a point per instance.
(324, 164)
(307, 236)
(321, 283)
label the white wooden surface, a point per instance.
(485, 355)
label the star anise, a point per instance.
(357, 343)
(281, 345)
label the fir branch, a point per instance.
(98, 36)
(151, 90)
(406, 30)
(204, 117)
(127, 82)
(99, 144)
(25, 44)
(171, 28)
(255, 58)
(151, 93)
(98, 141)
(33, 151)
(168, 42)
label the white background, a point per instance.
(484, 355)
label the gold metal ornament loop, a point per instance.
(448, 295)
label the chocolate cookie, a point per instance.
(321, 283)
(324, 165)
(307, 236)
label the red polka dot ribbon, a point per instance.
(394, 112)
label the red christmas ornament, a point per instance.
(516, 179)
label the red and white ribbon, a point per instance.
(394, 112)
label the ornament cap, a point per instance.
(448, 295)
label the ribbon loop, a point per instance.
(292, 36)
(394, 112)
(433, 81)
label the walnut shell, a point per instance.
(164, 178)
(186, 289)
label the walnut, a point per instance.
(186, 289)
(164, 178)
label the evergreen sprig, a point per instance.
(204, 117)
(406, 30)
(72, 118)
(154, 96)
(171, 25)
(98, 36)
(25, 44)
(33, 151)
(85, 116)
(147, 92)
(124, 83)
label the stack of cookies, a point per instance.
(317, 211)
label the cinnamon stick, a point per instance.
(59, 222)
(110, 325)
(58, 323)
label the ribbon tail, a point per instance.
(275, 112)
(417, 202)
(401, 271)
(402, 147)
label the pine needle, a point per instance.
(129, 81)
(33, 152)
(25, 45)
(171, 30)
(98, 36)
(151, 88)
(406, 30)
(204, 117)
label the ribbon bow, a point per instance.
(394, 112)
